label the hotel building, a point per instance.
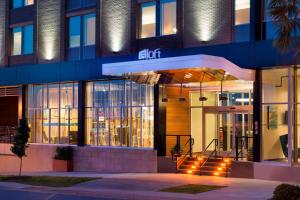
(130, 83)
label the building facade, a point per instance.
(132, 79)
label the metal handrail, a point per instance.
(215, 141)
(242, 143)
(181, 159)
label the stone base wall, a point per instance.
(276, 171)
(86, 159)
(242, 169)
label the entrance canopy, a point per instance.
(181, 66)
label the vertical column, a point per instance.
(257, 119)
(81, 113)
(256, 20)
(160, 118)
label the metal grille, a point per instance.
(9, 91)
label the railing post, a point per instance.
(191, 146)
(236, 148)
(178, 144)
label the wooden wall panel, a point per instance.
(178, 117)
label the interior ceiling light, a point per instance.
(222, 98)
(164, 98)
(202, 98)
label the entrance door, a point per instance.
(224, 124)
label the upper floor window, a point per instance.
(22, 40)
(82, 37)
(76, 4)
(21, 3)
(242, 12)
(164, 23)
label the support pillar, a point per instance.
(160, 119)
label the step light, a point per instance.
(216, 173)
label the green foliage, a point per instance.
(49, 181)
(64, 153)
(286, 191)
(192, 189)
(21, 139)
(177, 149)
(286, 16)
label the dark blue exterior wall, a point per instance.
(252, 55)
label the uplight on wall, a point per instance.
(49, 22)
(116, 21)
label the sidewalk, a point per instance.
(146, 187)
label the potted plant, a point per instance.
(250, 154)
(176, 151)
(63, 160)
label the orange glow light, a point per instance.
(193, 167)
(189, 171)
(223, 164)
(216, 173)
(220, 169)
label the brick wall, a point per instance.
(2, 31)
(207, 22)
(49, 30)
(116, 26)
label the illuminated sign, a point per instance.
(147, 54)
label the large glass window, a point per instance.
(275, 115)
(242, 20)
(167, 18)
(21, 3)
(119, 113)
(53, 113)
(76, 4)
(82, 37)
(22, 40)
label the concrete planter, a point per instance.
(62, 165)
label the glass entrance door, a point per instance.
(226, 126)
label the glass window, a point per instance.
(168, 17)
(89, 30)
(275, 115)
(119, 113)
(82, 37)
(28, 39)
(21, 3)
(242, 12)
(76, 4)
(53, 113)
(22, 40)
(17, 41)
(148, 23)
(75, 31)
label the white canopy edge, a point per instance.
(180, 62)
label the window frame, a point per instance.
(22, 28)
(158, 20)
(82, 45)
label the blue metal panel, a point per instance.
(246, 55)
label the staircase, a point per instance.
(206, 166)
